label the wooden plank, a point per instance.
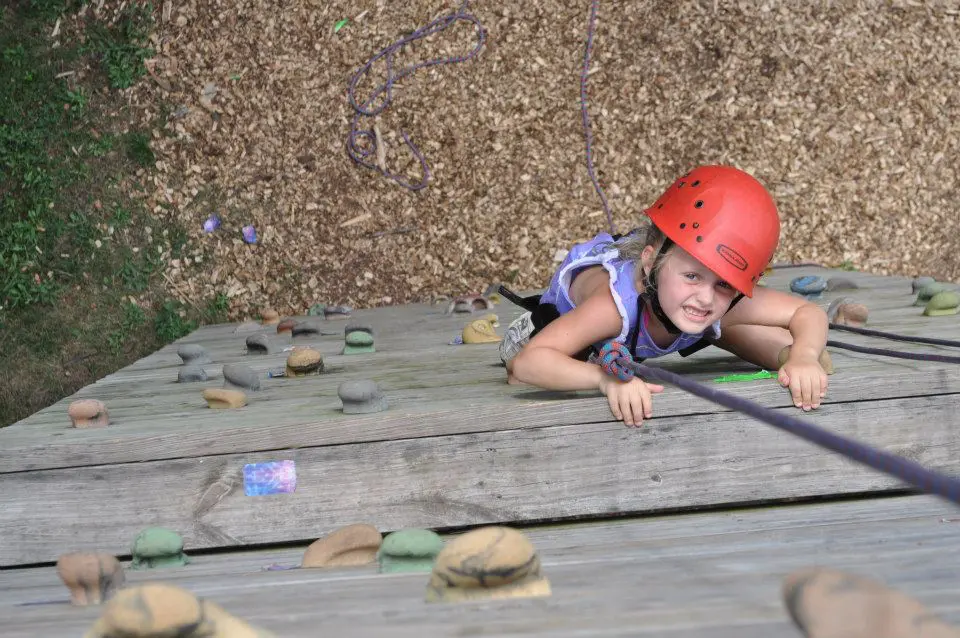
(552, 472)
(717, 573)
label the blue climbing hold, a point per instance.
(808, 285)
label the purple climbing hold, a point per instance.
(250, 234)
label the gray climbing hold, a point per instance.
(305, 329)
(841, 283)
(191, 374)
(920, 282)
(357, 327)
(361, 397)
(240, 376)
(258, 344)
(191, 353)
(337, 312)
(925, 294)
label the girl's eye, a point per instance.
(690, 275)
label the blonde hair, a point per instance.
(632, 244)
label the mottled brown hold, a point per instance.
(159, 610)
(269, 317)
(285, 326)
(825, 361)
(846, 312)
(304, 361)
(88, 413)
(92, 578)
(348, 546)
(221, 399)
(487, 563)
(826, 603)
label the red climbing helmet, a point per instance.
(724, 218)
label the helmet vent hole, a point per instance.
(698, 204)
(682, 226)
(699, 237)
(696, 224)
(660, 206)
(680, 185)
(696, 183)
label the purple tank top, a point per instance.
(602, 250)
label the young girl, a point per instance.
(686, 280)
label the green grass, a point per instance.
(80, 288)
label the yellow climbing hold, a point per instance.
(480, 331)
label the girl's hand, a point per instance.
(630, 401)
(807, 381)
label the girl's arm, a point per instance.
(807, 322)
(547, 360)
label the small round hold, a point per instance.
(220, 399)
(480, 331)
(357, 327)
(240, 376)
(304, 329)
(347, 546)
(92, 578)
(269, 317)
(921, 282)
(192, 353)
(337, 312)
(943, 303)
(191, 374)
(285, 326)
(258, 344)
(304, 361)
(361, 397)
(88, 413)
(808, 285)
(925, 294)
(841, 283)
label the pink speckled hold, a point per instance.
(88, 413)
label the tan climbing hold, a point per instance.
(851, 314)
(88, 413)
(269, 317)
(825, 361)
(222, 399)
(348, 546)
(826, 603)
(159, 610)
(480, 331)
(304, 361)
(92, 578)
(487, 563)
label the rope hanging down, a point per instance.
(908, 471)
(384, 93)
(591, 29)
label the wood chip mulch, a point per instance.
(847, 111)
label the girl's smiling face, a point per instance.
(691, 295)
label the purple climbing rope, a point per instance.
(360, 155)
(915, 356)
(895, 337)
(591, 28)
(904, 469)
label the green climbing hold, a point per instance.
(339, 25)
(158, 547)
(927, 292)
(409, 550)
(943, 303)
(358, 342)
(316, 310)
(749, 376)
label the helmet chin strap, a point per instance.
(652, 296)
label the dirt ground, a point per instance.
(845, 110)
